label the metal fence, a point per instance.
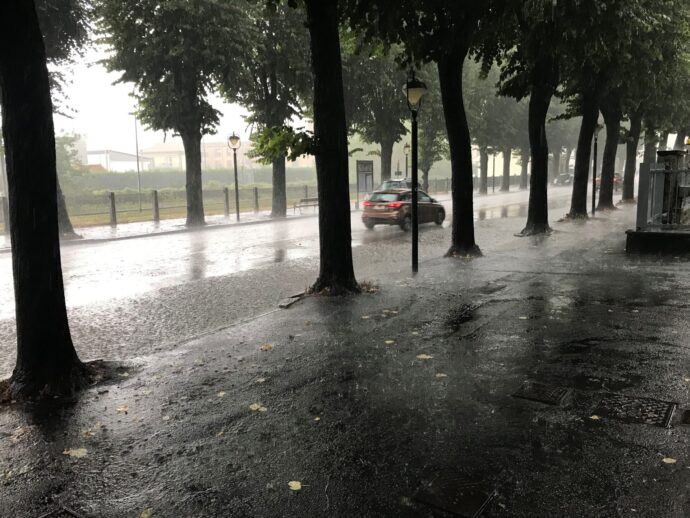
(110, 208)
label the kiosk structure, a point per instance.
(663, 206)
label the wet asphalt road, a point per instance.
(124, 295)
(368, 400)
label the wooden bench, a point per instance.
(305, 202)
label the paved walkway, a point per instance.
(399, 402)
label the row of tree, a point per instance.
(177, 52)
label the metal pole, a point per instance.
(493, 175)
(113, 210)
(156, 208)
(237, 192)
(594, 175)
(415, 201)
(136, 143)
(256, 199)
(407, 167)
(226, 201)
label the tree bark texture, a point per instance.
(538, 208)
(386, 159)
(336, 274)
(483, 171)
(524, 168)
(613, 114)
(279, 202)
(459, 142)
(505, 182)
(425, 180)
(631, 148)
(590, 116)
(191, 140)
(47, 363)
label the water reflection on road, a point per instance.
(95, 272)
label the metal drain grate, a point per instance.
(543, 393)
(636, 410)
(63, 512)
(460, 497)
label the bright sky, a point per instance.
(103, 110)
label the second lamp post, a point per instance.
(414, 90)
(234, 144)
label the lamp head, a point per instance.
(234, 141)
(414, 90)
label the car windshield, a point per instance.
(384, 196)
(391, 184)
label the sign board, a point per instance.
(365, 176)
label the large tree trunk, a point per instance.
(47, 363)
(631, 156)
(279, 204)
(386, 159)
(459, 142)
(538, 208)
(64, 223)
(505, 183)
(425, 179)
(590, 116)
(483, 171)
(612, 113)
(524, 167)
(336, 274)
(191, 140)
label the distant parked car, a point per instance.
(394, 207)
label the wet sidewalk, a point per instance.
(549, 378)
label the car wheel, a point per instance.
(406, 223)
(369, 225)
(440, 217)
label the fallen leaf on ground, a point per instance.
(668, 460)
(295, 485)
(122, 409)
(90, 432)
(687, 380)
(594, 417)
(266, 347)
(146, 513)
(390, 342)
(166, 418)
(257, 407)
(221, 393)
(77, 453)
(441, 375)
(365, 317)
(386, 310)
(424, 357)
(317, 418)
(522, 318)
(261, 380)
(415, 333)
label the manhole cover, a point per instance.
(63, 512)
(460, 497)
(636, 410)
(543, 393)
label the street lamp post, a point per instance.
(406, 150)
(234, 144)
(414, 90)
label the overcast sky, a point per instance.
(103, 111)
